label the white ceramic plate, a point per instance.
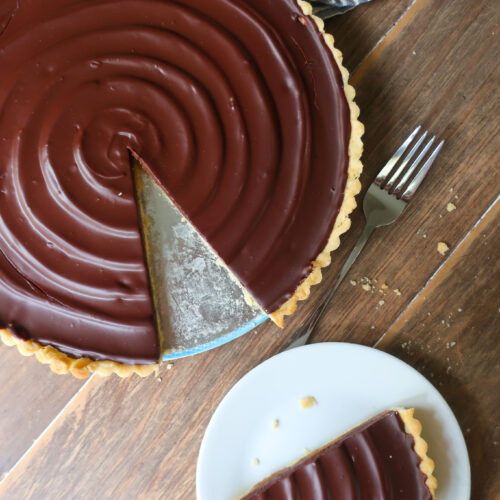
(351, 383)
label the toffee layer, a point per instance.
(375, 460)
(237, 110)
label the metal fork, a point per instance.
(385, 200)
(329, 8)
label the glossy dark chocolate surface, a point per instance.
(375, 461)
(235, 107)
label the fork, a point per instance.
(330, 8)
(385, 200)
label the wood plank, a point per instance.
(359, 31)
(450, 334)
(450, 85)
(31, 396)
(135, 438)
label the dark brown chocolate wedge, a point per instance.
(377, 460)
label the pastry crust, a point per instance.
(414, 428)
(60, 363)
(352, 188)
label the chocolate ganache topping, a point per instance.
(374, 461)
(235, 107)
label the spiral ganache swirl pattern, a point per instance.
(235, 107)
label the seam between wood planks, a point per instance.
(404, 20)
(440, 273)
(46, 430)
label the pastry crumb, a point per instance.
(450, 207)
(159, 379)
(255, 462)
(353, 282)
(381, 302)
(397, 291)
(170, 366)
(366, 287)
(443, 248)
(451, 190)
(385, 286)
(424, 236)
(308, 402)
(276, 423)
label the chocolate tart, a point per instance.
(384, 458)
(239, 109)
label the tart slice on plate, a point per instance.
(384, 458)
(241, 113)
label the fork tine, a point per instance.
(413, 166)
(409, 156)
(415, 183)
(395, 157)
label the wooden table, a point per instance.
(429, 62)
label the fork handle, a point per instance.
(302, 335)
(367, 231)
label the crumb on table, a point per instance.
(450, 207)
(276, 423)
(443, 248)
(256, 461)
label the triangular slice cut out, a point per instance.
(197, 303)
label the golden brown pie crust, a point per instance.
(61, 364)
(352, 188)
(414, 428)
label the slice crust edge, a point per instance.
(414, 428)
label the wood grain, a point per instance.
(437, 66)
(135, 438)
(450, 334)
(31, 396)
(361, 30)
(451, 87)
